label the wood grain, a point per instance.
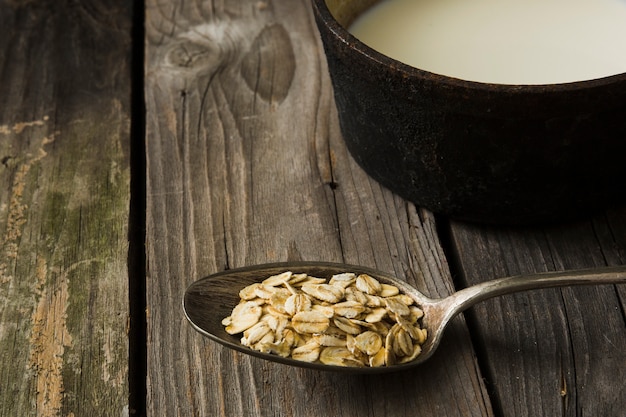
(64, 152)
(553, 352)
(246, 165)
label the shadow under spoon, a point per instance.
(209, 300)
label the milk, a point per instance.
(501, 41)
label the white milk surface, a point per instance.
(501, 41)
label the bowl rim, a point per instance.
(411, 72)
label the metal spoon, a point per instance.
(208, 300)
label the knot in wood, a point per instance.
(269, 65)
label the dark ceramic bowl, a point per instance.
(490, 153)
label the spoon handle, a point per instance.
(467, 297)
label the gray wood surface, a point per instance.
(246, 165)
(550, 352)
(64, 170)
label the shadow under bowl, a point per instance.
(488, 153)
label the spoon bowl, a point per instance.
(209, 300)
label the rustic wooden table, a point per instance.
(143, 146)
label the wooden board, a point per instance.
(64, 206)
(246, 165)
(558, 351)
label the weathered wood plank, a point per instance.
(553, 352)
(64, 153)
(246, 165)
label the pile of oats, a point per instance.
(351, 320)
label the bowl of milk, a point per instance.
(494, 111)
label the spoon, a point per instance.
(207, 301)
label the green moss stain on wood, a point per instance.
(63, 273)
